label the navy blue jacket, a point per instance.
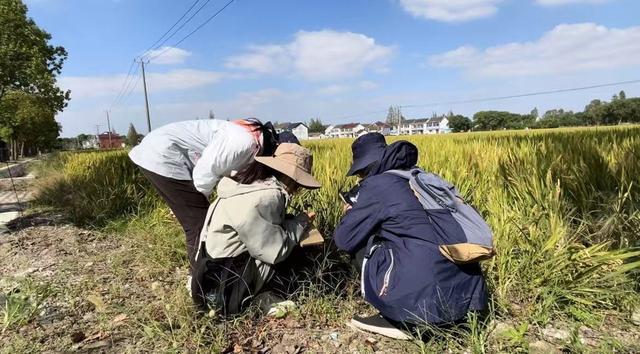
(405, 278)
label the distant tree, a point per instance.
(622, 95)
(555, 118)
(27, 121)
(211, 115)
(394, 116)
(495, 120)
(132, 136)
(316, 126)
(81, 139)
(594, 112)
(459, 123)
(534, 113)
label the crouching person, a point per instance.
(247, 231)
(403, 274)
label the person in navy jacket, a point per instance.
(404, 276)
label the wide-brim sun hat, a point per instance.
(294, 161)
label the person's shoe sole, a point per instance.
(391, 332)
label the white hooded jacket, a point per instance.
(200, 150)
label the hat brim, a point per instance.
(294, 172)
(362, 163)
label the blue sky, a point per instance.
(286, 60)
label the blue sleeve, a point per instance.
(360, 222)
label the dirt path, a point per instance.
(64, 288)
(79, 293)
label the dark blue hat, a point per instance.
(367, 149)
(288, 137)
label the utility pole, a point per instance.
(146, 98)
(109, 126)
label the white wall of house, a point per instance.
(438, 128)
(301, 132)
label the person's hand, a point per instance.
(345, 208)
(311, 215)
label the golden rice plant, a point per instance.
(563, 204)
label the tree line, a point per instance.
(617, 111)
(29, 95)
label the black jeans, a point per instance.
(188, 205)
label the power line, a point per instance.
(122, 88)
(195, 30)
(126, 97)
(129, 78)
(127, 89)
(497, 98)
(176, 31)
(173, 26)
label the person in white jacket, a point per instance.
(185, 160)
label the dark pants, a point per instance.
(358, 257)
(188, 205)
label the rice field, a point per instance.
(564, 206)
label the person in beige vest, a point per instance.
(247, 230)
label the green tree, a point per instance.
(29, 67)
(394, 116)
(555, 118)
(459, 123)
(622, 95)
(82, 138)
(316, 126)
(27, 121)
(534, 113)
(132, 136)
(27, 61)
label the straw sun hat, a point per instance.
(293, 161)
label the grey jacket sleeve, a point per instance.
(267, 237)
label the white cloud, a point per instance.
(566, 2)
(451, 10)
(319, 55)
(566, 48)
(95, 86)
(168, 55)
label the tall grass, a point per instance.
(564, 206)
(94, 187)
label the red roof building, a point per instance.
(110, 141)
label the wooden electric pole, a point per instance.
(146, 98)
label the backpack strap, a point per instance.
(406, 174)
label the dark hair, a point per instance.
(255, 171)
(269, 136)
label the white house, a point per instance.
(350, 130)
(91, 143)
(300, 130)
(433, 125)
(437, 125)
